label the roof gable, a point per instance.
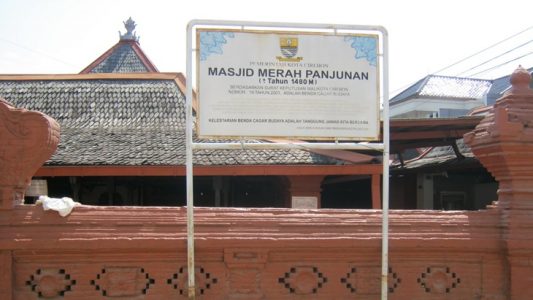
(124, 57)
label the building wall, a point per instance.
(430, 107)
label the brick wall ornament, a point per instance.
(28, 139)
(350, 280)
(394, 280)
(122, 281)
(365, 280)
(303, 280)
(438, 280)
(204, 280)
(50, 283)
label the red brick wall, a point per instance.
(252, 254)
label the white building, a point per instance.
(440, 97)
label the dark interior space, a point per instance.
(347, 192)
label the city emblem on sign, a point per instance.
(289, 49)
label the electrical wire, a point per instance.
(502, 64)
(481, 51)
(37, 52)
(393, 92)
(493, 58)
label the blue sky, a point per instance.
(64, 36)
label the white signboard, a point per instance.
(305, 202)
(286, 84)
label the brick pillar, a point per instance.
(306, 186)
(503, 142)
(245, 268)
(27, 140)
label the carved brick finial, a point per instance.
(503, 142)
(520, 80)
(27, 140)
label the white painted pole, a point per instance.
(385, 186)
(189, 166)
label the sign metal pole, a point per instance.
(385, 184)
(189, 168)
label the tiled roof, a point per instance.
(448, 150)
(408, 93)
(442, 157)
(125, 121)
(122, 60)
(100, 103)
(125, 57)
(433, 86)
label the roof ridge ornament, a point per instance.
(130, 33)
(520, 81)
